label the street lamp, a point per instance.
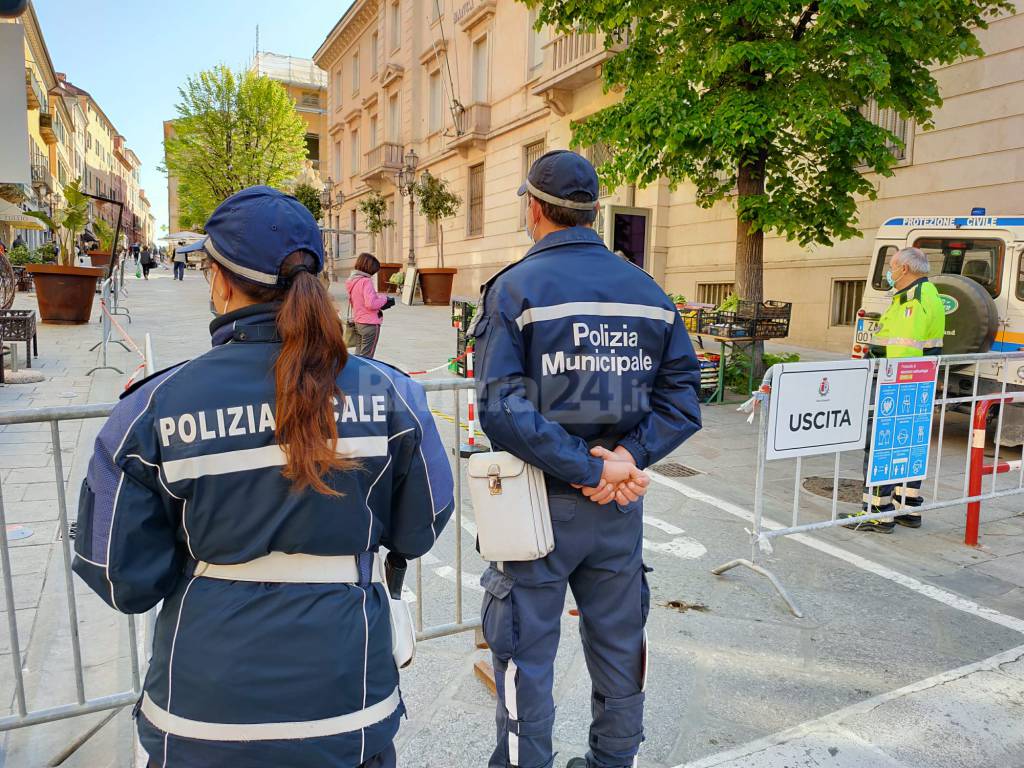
(328, 201)
(407, 186)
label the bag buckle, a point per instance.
(494, 479)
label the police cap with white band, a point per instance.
(255, 230)
(557, 175)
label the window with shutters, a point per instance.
(435, 94)
(846, 299)
(531, 153)
(436, 9)
(355, 154)
(713, 293)
(480, 71)
(373, 131)
(355, 73)
(475, 200)
(598, 154)
(374, 54)
(394, 26)
(337, 160)
(892, 122)
(394, 125)
(535, 45)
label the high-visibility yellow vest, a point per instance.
(913, 325)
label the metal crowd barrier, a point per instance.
(24, 716)
(966, 384)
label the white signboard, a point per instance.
(14, 155)
(818, 408)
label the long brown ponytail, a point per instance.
(306, 373)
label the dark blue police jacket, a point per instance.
(577, 347)
(187, 469)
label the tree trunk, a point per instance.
(750, 249)
(440, 244)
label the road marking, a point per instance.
(834, 720)
(469, 580)
(939, 595)
(682, 547)
(662, 525)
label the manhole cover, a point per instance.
(672, 469)
(850, 491)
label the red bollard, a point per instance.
(977, 464)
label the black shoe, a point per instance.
(865, 526)
(909, 521)
(577, 762)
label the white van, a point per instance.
(976, 263)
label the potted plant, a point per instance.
(437, 202)
(65, 292)
(20, 256)
(395, 282)
(375, 210)
(105, 233)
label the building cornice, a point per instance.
(390, 74)
(346, 32)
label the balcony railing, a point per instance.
(472, 125)
(34, 92)
(382, 161)
(575, 59)
(41, 171)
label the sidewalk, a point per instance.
(865, 674)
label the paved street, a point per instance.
(911, 652)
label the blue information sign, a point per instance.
(903, 421)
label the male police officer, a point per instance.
(913, 325)
(582, 363)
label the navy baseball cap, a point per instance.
(558, 174)
(255, 230)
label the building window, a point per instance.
(598, 154)
(531, 152)
(374, 53)
(892, 122)
(436, 9)
(713, 293)
(313, 150)
(338, 76)
(355, 73)
(475, 198)
(373, 131)
(535, 45)
(394, 26)
(434, 93)
(430, 233)
(393, 119)
(337, 160)
(355, 154)
(310, 99)
(480, 83)
(846, 298)
(390, 240)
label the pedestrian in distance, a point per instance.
(146, 261)
(585, 370)
(179, 261)
(365, 305)
(912, 326)
(251, 490)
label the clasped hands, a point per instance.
(621, 480)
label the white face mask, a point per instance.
(213, 307)
(529, 231)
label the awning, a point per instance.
(196, 246)
(186, 236)
(17, 218)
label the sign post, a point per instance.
(818, 408)
(902, 433)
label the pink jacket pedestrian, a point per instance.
(366, 305)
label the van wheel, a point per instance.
(971, 315)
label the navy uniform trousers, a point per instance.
(598, 555)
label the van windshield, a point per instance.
(981, 260)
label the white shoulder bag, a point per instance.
(510, 501)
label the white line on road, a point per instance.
(682, 547)
(469, 580)
(662, 525)
(861, 708)
(940, 595)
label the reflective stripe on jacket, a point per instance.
(913, 325)
(187, 469)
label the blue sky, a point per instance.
(132, 55)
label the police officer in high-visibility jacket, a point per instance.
(251, 489)
(585, 370)
(912, 326)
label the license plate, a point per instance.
(865, 330)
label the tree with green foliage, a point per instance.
(67, 221)
(233, 130)
(375, 212)
(760, 101)
(436, 202)
(309, 197)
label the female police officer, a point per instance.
(250, 490)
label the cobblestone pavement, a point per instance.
(864, 680)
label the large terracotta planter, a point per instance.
(99, 258)
(436, 285)
(387, 270)
(64, 293)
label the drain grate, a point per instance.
(674, 469)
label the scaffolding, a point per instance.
(289, 69)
